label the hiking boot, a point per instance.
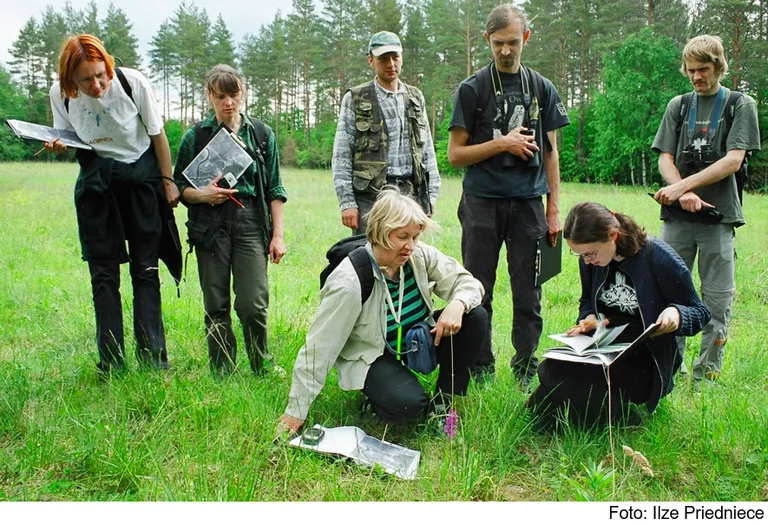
(524, 368)
(483, 374)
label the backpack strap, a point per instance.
(361, 262)
(729, 113)
(685, 103)
(124, 82)
(484, 89)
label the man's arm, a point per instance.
(551, 160)
(680, 188)
(341, 164)
(462, 154)
(163, 154)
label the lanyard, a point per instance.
(399, 315)
(714, 120)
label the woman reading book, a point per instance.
(124, 192)
(629, 278)
(234, 230)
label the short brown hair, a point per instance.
(224, 79)
(589, 222)
(74, 51)
(503, 15)
(706, 49)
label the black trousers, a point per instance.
(147, 315)
(395, 392)
(486, 224)
(579, 392)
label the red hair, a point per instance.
(74, 51)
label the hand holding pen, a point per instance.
(214, 194)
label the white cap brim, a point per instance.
(386, 49)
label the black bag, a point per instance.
(420, 354)
(354, 248)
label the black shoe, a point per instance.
(524, 368)
(483, 374)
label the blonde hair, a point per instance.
(393, 210)
(705, 49)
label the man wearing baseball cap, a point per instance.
(383, 137)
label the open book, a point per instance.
(597, 349)
(225, 154)
(27, 130)
(355, 444)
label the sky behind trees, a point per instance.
(241, 16)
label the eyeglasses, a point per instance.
(587, 256)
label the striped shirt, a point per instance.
(414, 308)
(399, 157)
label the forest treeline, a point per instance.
(616, 64)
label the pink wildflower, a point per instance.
(451, 424)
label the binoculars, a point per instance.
(696, 159)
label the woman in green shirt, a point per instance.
(233, 237)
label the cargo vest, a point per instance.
(369, 168)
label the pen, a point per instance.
(234, 199)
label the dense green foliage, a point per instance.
(615, 64)
(181, 435)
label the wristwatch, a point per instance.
(466, 306)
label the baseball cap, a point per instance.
(384, 42)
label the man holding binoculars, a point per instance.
(703, 141)
(503, 130)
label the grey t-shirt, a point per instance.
(744, 134)
(490, 178)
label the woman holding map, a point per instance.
(124, 193)
(233, 230)
(627, 278)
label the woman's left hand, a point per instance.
(668, 321)
(277, 249)
(449, 322)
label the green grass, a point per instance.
(66, 435)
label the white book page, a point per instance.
(580, 342)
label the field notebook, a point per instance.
(225, 154)
(27, 130)
(548, 258)
(597, 349)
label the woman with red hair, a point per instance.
(124, 193)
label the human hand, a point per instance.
(55, 147)
(277, 249)
(350, 218)
(588, 324)
(668, 321)
(670, 194)
(214, 195)
(692, 202)
(449, 322)
(516, 143)
(172, 194)
(554, 225)
(288, 424)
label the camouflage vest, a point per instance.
(369, 168)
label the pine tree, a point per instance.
(118, 37)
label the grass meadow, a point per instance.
(180, 435)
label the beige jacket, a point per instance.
(350, 336)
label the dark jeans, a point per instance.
(581, 390)
(486, 224)
(239, 259)
(147, 316)
(395, 392)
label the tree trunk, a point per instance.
(650, 13)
